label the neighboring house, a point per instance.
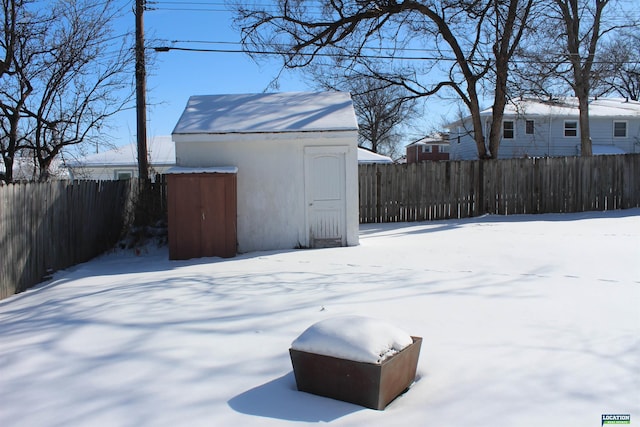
(122, 162)
(538, 128)
(296, 160)
(432, 147)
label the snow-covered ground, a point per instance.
(526, 321)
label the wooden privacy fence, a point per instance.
(48, 226)
(459, 189)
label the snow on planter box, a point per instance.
(355, 359)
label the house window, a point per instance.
(444, 148)
(529, 126)
(508, 129)
(123, 174)
(426, 148)
(570, 128)
(620, 129)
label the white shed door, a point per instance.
(325, 190)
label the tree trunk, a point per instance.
(572, 15)
(478, 133)
(499, 103)
(7, 176)
(586, 148)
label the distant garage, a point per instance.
(296, 160)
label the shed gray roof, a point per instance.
(268, 112)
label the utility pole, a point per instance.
(141, 93)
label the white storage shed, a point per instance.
(296, 156)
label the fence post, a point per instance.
(378, 195)
(480, 205)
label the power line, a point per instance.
(273, 52)
(344, 55)
(204, 3)
(184, 9)
(311, 9)
(378, 53)
(403, 49)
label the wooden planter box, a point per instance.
(367, 384)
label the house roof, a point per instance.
(162, 151)
(180, 170)
(368, 156)
(268, 113)
(600, 107)
(439, 138)
(568, 107)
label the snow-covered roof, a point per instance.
(179, 170)
(439, 138)
(600, 107)
(162, 151)
(367, 156)
(267, 112)
(567, 107)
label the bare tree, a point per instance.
(66, 76)
(618, 65)
(9, 33)
(19, 30)
(564, 56)
(467, 42)
(381, 108)
(581, 26)
(508, 23)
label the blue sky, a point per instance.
(176, 75)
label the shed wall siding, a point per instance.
(271, 198)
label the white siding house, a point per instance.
(537, 128)
(122, 162)
(296, 156)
